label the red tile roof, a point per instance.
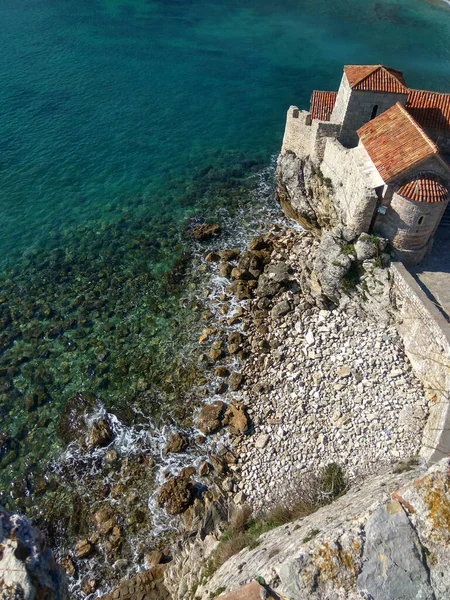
(375, 78)
(395, 142)
(430, 109)
(322, 104)
(424, 187)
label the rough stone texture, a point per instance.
(392, 562)
(28, 569)
(301, 193)
(177, 443)
(100, 435)
(251, 591)
(236, 418)
(363, 542)
(177, 493)
(205, 231)
(331, 265)
(426, 335)
(146, 585)
(427, 503)
(211, 416)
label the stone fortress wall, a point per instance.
(426, 336)
(355, 199)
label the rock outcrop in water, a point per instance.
(28, 570)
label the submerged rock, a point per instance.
(84, 549)
(105, 520)
(101, 434)
(72, 423)
(205, 231)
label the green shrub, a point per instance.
(348, 249)
(352, 277)
(313, 491)
(333, 481)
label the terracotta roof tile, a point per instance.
(430, 109)
(322, 104)
(424, 187)
(395, 142)
(375, 78)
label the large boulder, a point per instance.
(105, 520)
(267, 287)
(101, 434)
(211, 416)
(303, 194)
(177, 494)
(236, 418)
(392, 562)
(331, 265)
(176, 444)
(28, 570)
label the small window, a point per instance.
(420, 221)
(374, 111)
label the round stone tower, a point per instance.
(414, 214)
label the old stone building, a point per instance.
(383, 151)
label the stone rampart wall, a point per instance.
(306, 137)
(321, 132)
(297, 133)
(353, 197)
(426, 336)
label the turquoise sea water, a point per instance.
(103, 101)
(118, 121)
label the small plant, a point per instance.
(312, 491)
(309, 537)
(334, 483)
(327, 181)
(366, 237)
(219, 591)
(352, 277)
(425, 552)
(348, 249)
(407, 465)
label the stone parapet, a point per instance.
(426, 336)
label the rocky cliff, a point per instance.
(28, 569)
(304, 194)
(387, 538)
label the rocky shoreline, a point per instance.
(319, 385)
(307, 380)
(294, 380)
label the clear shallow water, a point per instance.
(117, 121)
(106, 101)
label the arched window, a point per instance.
(420, 221)
(374, 111)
